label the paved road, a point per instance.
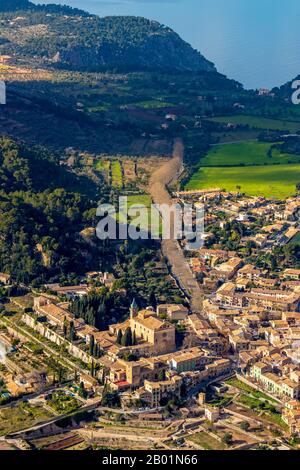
(171, 249)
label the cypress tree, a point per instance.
(82, 392)
(152, 300)
(92, 343)
(134, 340)
(119, 337)
(72, 332)
(127, 338)
(65, 328)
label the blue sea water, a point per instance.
(257, 42)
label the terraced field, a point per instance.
(20, 417)
(116, 174)
(206, 441)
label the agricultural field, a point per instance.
(143, 219)
(238, 135)
(258, 122)
(246, 153)
(234, 382)
(154, 104)
(277, 181)
(97, 109)
(128, 173)
(116, 174)
(206, 441)
(137, 199)
(250, 167)
(20, 417)
(61, 403)
(102, 165)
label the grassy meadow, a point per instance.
(143, 220)
(277, 181)
(250, 166)
(258, 122)
(246, 153)
(102, 165)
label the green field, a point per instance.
(246, 153)
(296, 239)
(145, 200)
(234, 382)
(139, 199)
(250, 166)
(116, 174)
(20, 417)
(98, 109)
(154, 104)
(277, 181)
(102, 165)
(258, 122)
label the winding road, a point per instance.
(171, 249)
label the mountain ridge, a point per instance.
(71, 38)
(25, 5)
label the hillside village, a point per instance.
(248, 331)
(150, 344)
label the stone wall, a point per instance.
(55, 338)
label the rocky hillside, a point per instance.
(72, 39)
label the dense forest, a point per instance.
(102, 308)
(40, 216)
(23, 5)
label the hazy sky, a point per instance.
(254, 41)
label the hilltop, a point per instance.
(26, 5)
(14, 5)
(73, 39)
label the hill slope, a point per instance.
(13, 5)
(73, 39)
(25, 5)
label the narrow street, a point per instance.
(171, 249)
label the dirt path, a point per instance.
(123, 436)
(171, 248)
